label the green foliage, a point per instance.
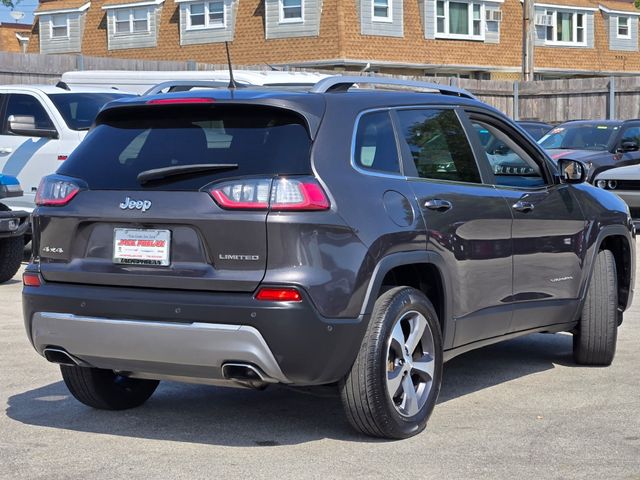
(637, 3)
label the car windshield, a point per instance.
(580, 136)
(79, 110)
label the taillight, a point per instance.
(56, 191)
(249, 194)
(174, 101)
(294, 194)
(290, 194)
(31, 279)
(269, 294)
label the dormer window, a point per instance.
(132, 20)
(59, 26)
(382, 11)
(459, 20)
(290, 11)
(623, 27)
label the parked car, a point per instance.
(141, 81)
(248, 238)
(624, 182)
(13, 226)
(536, 129)
(600, 144)
(40, 125)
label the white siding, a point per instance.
(622, 44)
(138, 39)
(70, 44)
(309, 27)
(369, 26)
(208, 35)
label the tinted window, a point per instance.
(580, 136)
(26, 105)
(631, 134)
(261, 141)
(79, 110)
(438, 145)
(509, 163)
(375, 147)
(536, 131)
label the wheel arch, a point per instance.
(422, 270)
(620, 242)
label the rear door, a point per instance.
(168, 231)
(468, 222)
(548, 227)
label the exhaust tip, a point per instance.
(247, 375)
(59, 356)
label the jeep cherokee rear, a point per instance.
(362, 237)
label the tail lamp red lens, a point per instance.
(177, 101)
(30, 279)
(56, 191)
(269, 294)
(280, 194)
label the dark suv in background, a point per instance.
(359, 237)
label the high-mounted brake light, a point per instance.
(56, 191)
(31, 279)
(268, 294)
(173, 101)
(281, 194)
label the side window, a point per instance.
(375, 145)
(509, 163)
(438, 145)
(26, 105)
(631, 134)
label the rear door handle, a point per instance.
(6, 149)
(523, 207)
(438, 205)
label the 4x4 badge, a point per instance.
(131, 204)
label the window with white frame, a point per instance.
(462, 20)
(623, 27)
(382, 10)
(59, 26)
(290, 10)
(567, 28)
(206, 15)
(131, 20)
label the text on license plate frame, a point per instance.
(128, 250)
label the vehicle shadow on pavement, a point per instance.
(278, 415)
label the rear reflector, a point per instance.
(174, 101)
(56, 191)
(62, 158)
(279, 295)
(30, 279)
(290, 194)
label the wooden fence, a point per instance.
(547, 100)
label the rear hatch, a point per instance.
(170, 196)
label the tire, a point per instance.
(105, 389)
(594, 341)
(10, 257)
(383, 366)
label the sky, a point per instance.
(26, 6)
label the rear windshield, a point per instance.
(79, 110)
(260, 140)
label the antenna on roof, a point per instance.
(232, 82)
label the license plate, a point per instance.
(141, 247)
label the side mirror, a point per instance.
(572, 171)
(629, 146)
(26, 125)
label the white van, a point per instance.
(141, 81)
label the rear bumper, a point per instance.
(190, 334)
(196, 350)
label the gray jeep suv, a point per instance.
(358, 237)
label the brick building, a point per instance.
(14, 37)
(471, 38)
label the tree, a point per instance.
(9, 3)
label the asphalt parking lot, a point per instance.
(520, 409)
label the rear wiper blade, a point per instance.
(167, 172)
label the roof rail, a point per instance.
(185, 86)
(342, 83)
